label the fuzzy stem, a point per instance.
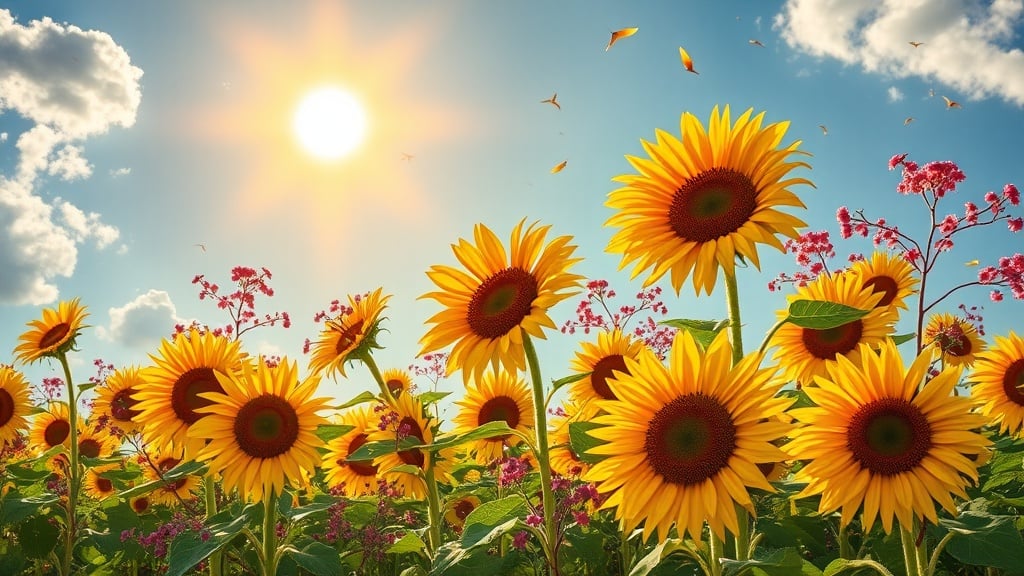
(74, 471)
(385, 392)
(433, 506)
(210, 496)
(934, 562)
(845, 549)
(269, 534)
(541, 424)
(625, 550)
(732, 301)
(909, 551)
(715, 546)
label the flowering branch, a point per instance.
(240, 304)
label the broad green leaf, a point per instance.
(453, 560)
(491, 519)
(190, 548)
(38, 536)
(902, 338)
(404, 469)
(854, 568)
(703, 331)
(317, 558)
(822, 315)
(655, 556)
(14, 510)
(428, 398)
(408, 543)
(580, 442)
(556, 384)
(87, 386)
(371, 450)
(784, 562)
(320, 503)
(190, 468)
(488, 430)
(985, 540)
(360, 399)
(328, 432)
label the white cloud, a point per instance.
(966, 44)
(72, 84)
(895, 94)
(117, 173)
(143, 322)
(3, 136)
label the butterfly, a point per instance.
(951, 103)
(824, 130)
(553, 101)
(908, 120)
(619, 34)
(687, 61)
(755, 43)
(916, 44)
(972, 262)
(559, 167)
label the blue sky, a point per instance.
(130, 132)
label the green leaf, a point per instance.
(360, 399)
(428, 398)
(580, 442)
(14, 510)
(26, 474)
(190, 548)
(556, 384)
(404, 469)
(492, 519)
(703, 331)
(784, 562)
(408, 543)
(655, 556)
(328, 432)
(371, 450)
(488, 430)
(854, 567)
(822, 315)
(319, 504)
(190, 468)
(38, 536)
(87, 386)
(317, 558)
(903, 338)
(985, 540)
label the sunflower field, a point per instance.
(829, 445)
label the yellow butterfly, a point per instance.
(559, 167)
(687, 61)
(619, 34)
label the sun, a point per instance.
(329, 123)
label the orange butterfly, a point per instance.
(951, 103)
(687, 61)
(618, 34)
(559, 167)
(916, 44)
(553, 101)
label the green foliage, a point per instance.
(822, 315)
(703, 331)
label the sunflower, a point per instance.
(170, 397)
(356, 478)
(115, 405)
(457, 510)
(804, 352)
(397, 380)
(262, 429)
(564, 460)
(683, 442)
(501, 396)
(601, 359)
(140, 504)
(15, 404)
(878, 441)
(53, 335)
(170, 493)
(408, 422)
(997, 381)
(95, 485)
(954, 339)
(51, 428)
(891, 275)
(95, 441)
(703, 200)
(349, 336)
(499, 299)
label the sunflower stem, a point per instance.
(715, 546)
(433, 506)
(625, 550)
(934, 562)
(210, 496)
(74, 473)
(732, 301)
(385, 392)
(908, 540)
(771, 332)
(269, 534)
(845, 550)
(541, 423)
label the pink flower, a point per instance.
(996, 296)
(949, 224)
(1015, 224)
(896, 160)
(1011, 193)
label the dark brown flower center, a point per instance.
(56, 432)
(953, 341)
(185, 398)
(89, 448)
(6, 407)
(1013, 381)
(166, 465)
(266, 426)
(886, 285)
(122, 404)
(55, 335)
(889, 436)
(690, 439)
(832, 342)
(499, 408)
(140, 504)
(463, 508)
(348, 336)
(411, 428)
(360, 467)
(603, 371)
(712, 204)
(104, 485)
(395, 386)
(501, 302)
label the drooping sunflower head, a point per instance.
(157, 462)
(15, 404)
(407, 424)
(888, 274)
(115, 404)
(51, 428)
(349, 336)
(397, 380)
(54, 334)
(602, 359)
(879, 442)
(683, 442)
(804, 352)
(498, 397)
(953, 339)
(499, 299)
(260, 432)
(349, 477)
(171, 394)
(699, 202)
(456, 510)
(997, 381)
(98, 486)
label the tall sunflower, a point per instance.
(497, 397)
(601, 359)
(409, 422)
(158, 462)
(98, 486)
(804, 352)
(456, 510)
(499, 298)
(997, 381)
(683, 442)
(701, 201)
(889, 274)
(169, 400)
(954, 339)
(397, 380)
(115, 405)
(351, 478)
(51, 428)
(15, 404)
(879, 442)
(96, 441)
(262, 429)
(349, 336)
(54, 334)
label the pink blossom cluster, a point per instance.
(160, 539)
(433, 367)
(240, 304)
(812, 251)
(654, 335)
(1008, 273)
(511, 471)
(938, 178)
(973, 315)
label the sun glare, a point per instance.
(329, 123)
